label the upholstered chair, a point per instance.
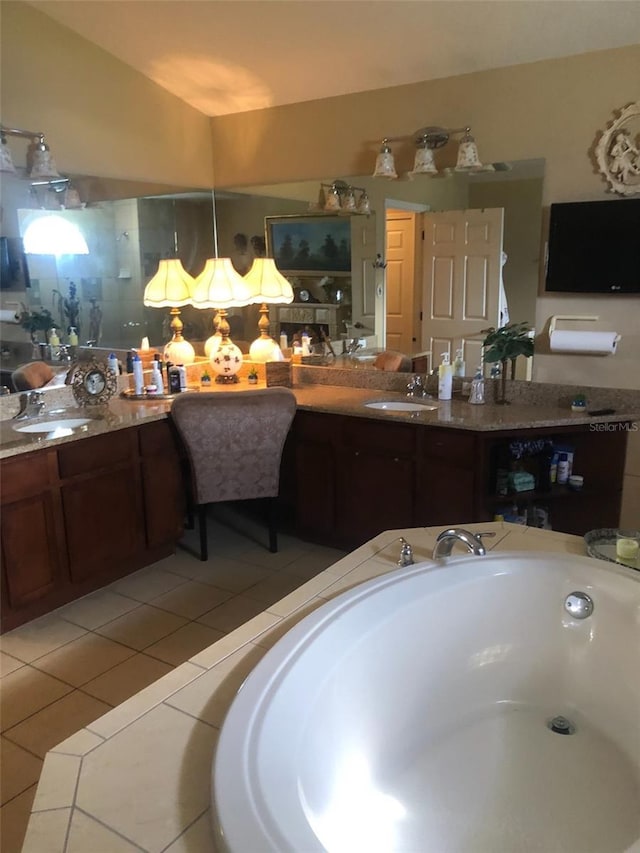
(35, 374)
(234, 442)
(394, 361)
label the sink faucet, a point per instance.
(415, 388)
(31, 405)
(447, 539)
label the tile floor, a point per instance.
(62, 671)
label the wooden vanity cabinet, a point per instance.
(447, 476)
(163, 490)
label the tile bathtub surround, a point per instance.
(66, 670)
(138, 778)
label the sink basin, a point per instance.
(400, 406)
(53, 426)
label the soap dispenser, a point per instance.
(477, 387)
(445, 378)
(459, 366)
(54, 343)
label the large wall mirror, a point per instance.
(129, 227)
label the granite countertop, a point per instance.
(348, 400)
(139, 778)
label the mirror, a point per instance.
(130, 226)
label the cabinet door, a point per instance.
(315, 438)
(163, 490)
(446, 478)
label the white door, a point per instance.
(462, 256)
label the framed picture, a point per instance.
(310, 245)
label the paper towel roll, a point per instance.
(8, 316)
(595, 343)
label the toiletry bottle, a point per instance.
(156, 378)
(54, 343)
(174, 380)
(182, 370)
(477, 387)
(73, 336)
(563, 469)
(445, 380)
(459, 366)
(138, 375)
(112, 361)
(129, 361)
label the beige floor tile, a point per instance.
(191, 599)
(312, 563)
(127, 678)
(144, 626)
(86, 834)
(19, 770)
(14, 817)
(274, 588)
(83, 659)
(232, 613)
(97, 609)
(259, 556)
(224, 573)
(199, 836)
(147, 584)
(53, 724)
(156, 804)
(184, 643)
(26, 691)
(39, 637)
(8, 664)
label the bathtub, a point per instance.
(419, 712)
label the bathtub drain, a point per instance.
(561, 726)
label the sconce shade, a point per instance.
(170, 287)
(267, 284)
(385, 164)
(220, 286)
(468, 158)
(40, 163)
(6, 161)
(364, 205)
(423, 163)
(332, 201)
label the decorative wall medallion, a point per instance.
(93, 383)
(618, 151)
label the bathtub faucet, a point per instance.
(447, 539)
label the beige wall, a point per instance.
(99, 116)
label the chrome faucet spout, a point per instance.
(447, 539)
(31, 404)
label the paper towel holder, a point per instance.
(556, 317)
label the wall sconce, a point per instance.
(40, 163)
(341, 196)
(427, 140)
(172, 287)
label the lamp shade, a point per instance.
(220, 286)
(170, 287)
(267, 284)
(385, 164)
(423, 163)
(468, 157)
(6, 161)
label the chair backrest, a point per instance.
(390, 360)
(32, 375)
(234, 441)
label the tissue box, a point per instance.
(521, 481)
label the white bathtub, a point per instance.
(411, 714)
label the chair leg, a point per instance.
(272, 516)
(202, 526)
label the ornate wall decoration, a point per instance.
(618, 151)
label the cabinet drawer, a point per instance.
(458, 449)
(26, 475)
(92, 454)
(391, 439)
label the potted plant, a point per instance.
(252, 378)
(38, 320)
(505, 344)
(579, 403)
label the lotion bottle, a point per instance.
(156, 378)
(477, 388)
(445, 378)
(112, 361)
(459, 366)
(138, 375)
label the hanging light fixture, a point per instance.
(267, 286)
(172, 287)
(40, 163)
(341, 196)
(427, 140)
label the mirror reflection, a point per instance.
(128, 228)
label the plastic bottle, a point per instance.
(459, 367)
(477, 387)
(182, 370)
(112, 361)
(73, 336)
(138, 375)
(54, 343)
(174, 380)
(445, 378)
(563, 469)
(129, 361)
(156, 378)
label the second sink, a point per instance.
(52, 426)
(400, 406)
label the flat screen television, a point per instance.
(594, 247)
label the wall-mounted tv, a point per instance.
(315, 245)
(594, 247)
